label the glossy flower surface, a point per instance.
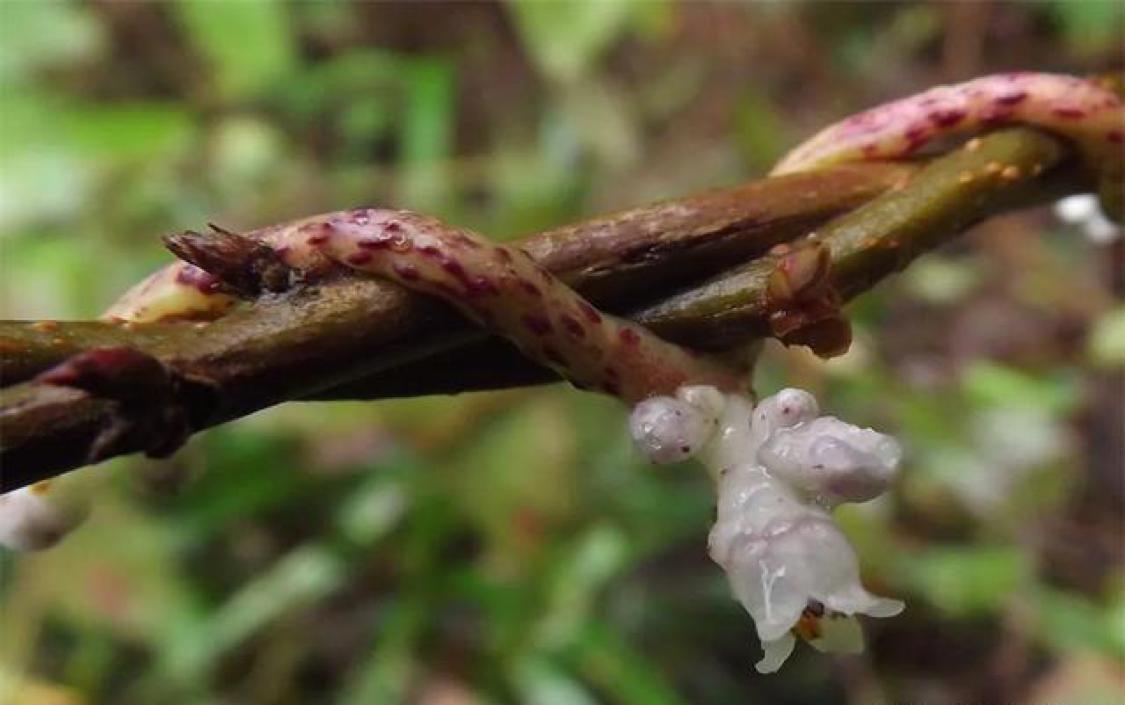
(779, 469)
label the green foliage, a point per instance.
(1106, 345)
(38, 35)
(566, 38)
(964, 581)
(1090, 23)
(247, 46)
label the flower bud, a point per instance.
(668, 430)
(38, 516)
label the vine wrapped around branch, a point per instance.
(794, 295)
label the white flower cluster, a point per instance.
(38, 516)
(779, 469)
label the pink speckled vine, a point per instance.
(1078, 109)
(504, 290)
(500, 287)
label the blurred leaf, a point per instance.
(1090, 25)
(602, 120)
(1106, 344)
(566, 37)
(341, 80)
(52, 179)
(42, 34)
(516, 478)
(540, 682)
(967, 580)
(18, 689)
(68, 293)
(127, 130)
(247, 154)
(371, 510)
(248, 44)
(303, 576)
(989, 383)
(577, 576)
(759, 130)
(535, 190)
(427, 123)
(62, 150)
(912, 27)
(248, 473)
(625, 675)
(941, 280)
(385, 675)
(364, 121)
(1069, 622)
(427, 132)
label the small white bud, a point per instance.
(708, 400)
(668, 430)
(38, 516)
(788, 407)
(832, 460)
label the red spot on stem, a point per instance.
(917, 133)
(537, 323)
(323, 232)
(407, 272)
(1013, 98)
(1069, 113)
(480, 286)
(454, 268)
(589, 312)
(994, 116)
(573, 326)
(947, 118)
(375, 242)
(190, 275)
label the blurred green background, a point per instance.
(510, 547)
